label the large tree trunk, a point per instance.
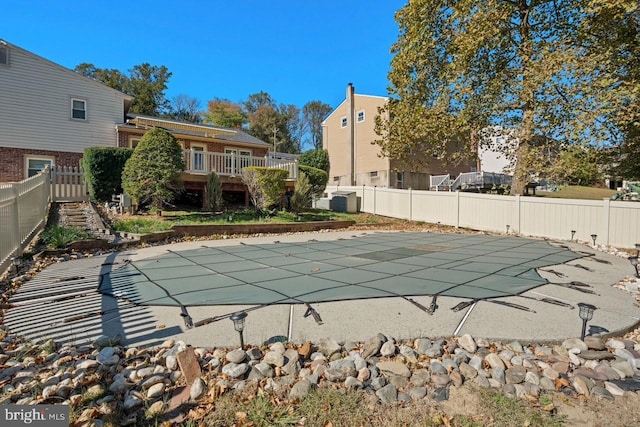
(523, 160)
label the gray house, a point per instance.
(50, 114)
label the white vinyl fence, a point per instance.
(23, 212)
(614, 223)
(24, 206)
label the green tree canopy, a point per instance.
(610, 32)
(279, 125)
(152, 173)
(146, 83)
(224, 113)
(463, 66)
(318, 159)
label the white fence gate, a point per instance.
(67, 184)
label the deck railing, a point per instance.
(231, 164)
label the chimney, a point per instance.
(351, 108)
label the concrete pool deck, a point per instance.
(62, 303)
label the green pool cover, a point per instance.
(368, 266)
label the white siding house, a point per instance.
(50, 114)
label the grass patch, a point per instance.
(141, 225)
(578, 192)
(509, 411)
(59, 236)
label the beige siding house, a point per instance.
(50, 114)
(347, 135)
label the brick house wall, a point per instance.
(12, 161)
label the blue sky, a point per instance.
(296, 50)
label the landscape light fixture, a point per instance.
(586, 314)
(238, 324)
(573, 233)
(638, 249)
(508, 226)
(634, 261)
(16, 261)
(594, 237)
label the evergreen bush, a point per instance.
(152, 173)
(103, 168)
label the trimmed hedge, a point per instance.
(103, 168)
(317, 178)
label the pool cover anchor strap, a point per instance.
(577, 286)
(188, 321)
(465, 304)
(430, 310)
(312, 312)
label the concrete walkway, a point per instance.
(76, 313)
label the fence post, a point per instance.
(607, 217)
(518, 214)
(457, 208)
(15, 220)
(374, 199)
(46, 190)
(410, 204)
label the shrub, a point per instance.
(152, 173)
(265, 185)
(103, 168)
(213, 192)
(318, 159)
(59, 236)
(317, 179)
(302, 195)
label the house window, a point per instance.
(133, 142)
(36, 164)
(400, 180)
(336, 178)
(4, 55)
(343, 122)
(78, 109)
(373, 174)
(360, 116)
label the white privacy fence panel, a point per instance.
(435, 207)
(624, 223)
(23, 212)
(556, 218)
(393, 203)
(487, 212)
(613, 222)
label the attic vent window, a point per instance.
(4, 55)
(343, 122)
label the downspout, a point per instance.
(351, 130)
